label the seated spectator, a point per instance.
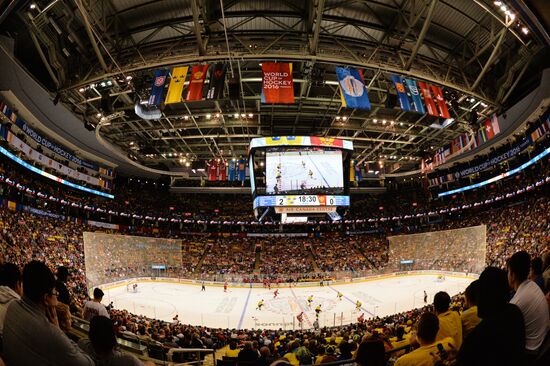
(265, 357)
(102, 345)
(248, 354)
(499, 339)
(232, 351)
(530, 300)
(449, 320)
(291, 354)
(330, 351)
(536, 272)
(64, 299)
(429, 352)
(95, 307)
(546, 271)
(371, 353)
(10, 288)
(29, 337)
(469, 317)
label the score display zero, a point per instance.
(305, 200)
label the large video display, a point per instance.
(302, 170)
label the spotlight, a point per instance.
(375, 121)
(243, 115)
(250, 115)
(98, 115)
(525, 30)
(129, 77)
(236, 115)
(186, 117)
(81, 90)
(498, 3)
(337, 118)
(217, 115)
(208, 116)
(33, 6)
(344, 118)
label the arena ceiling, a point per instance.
(99, 57)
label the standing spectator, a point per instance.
(29, 337)
(10, 288)
(499, 339)
(530, 300)
(469, 317)
(450, 324)
(102, 345)
(428, 353)
(94, 307)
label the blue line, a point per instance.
(244, 308)
(353, 302)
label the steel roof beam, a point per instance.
(197, 27)
(422, 34)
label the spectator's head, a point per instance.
(536, 267)
(518, 268)
(10, 276)
(428, 326)
(371, 353)
(472, 293)
(442, 300)
(102, 335)
(62, 273)
(265, 352)
(233, 345)
(98, 294)
(493, 292)
(400, 332)
(545, 261)
(39, 284)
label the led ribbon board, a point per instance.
(498, 177)
(53, 177)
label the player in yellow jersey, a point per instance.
(309, 300)
(358, 305)
(340, 296)
(260, 304)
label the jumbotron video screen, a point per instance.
(302, 170)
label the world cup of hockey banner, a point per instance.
(217, 79)
(159, 80)
(443, 111)
(415, 96)
(277, 83)
(401, 93)
(175, 89)
(353, 91)
(198, 74)
(428, 99)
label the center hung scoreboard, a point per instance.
(297, 177)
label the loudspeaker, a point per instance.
(106, 105)
(234, 87)
(473, 117)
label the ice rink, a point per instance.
(236, 308)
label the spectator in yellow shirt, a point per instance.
(469, 316)
(428, 353)
(232, 351)
(450, 324)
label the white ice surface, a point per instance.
(236, 308)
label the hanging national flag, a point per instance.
(212, 170)
(442, 106)
(428, 99)
(175, 89)
(217, 79)
(488, 125)
(401, 93)
(481, 135)
(415, 95)
(159, 80)
(242, 170)
(352, 171)
(358, 173)
(277, 83)
(232, 170)
(198, 74)
(494, 124)
(222, 170)
(353, 91)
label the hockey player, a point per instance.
(318, 310)
(339, 296)
(225, 286)
(300, 318)
(260, 304)
(275, 293)
(358, 305)
(309, 300)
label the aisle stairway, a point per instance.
(203, 255)
(371, 265)
(311, 258)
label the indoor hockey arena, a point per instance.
(275, 183)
